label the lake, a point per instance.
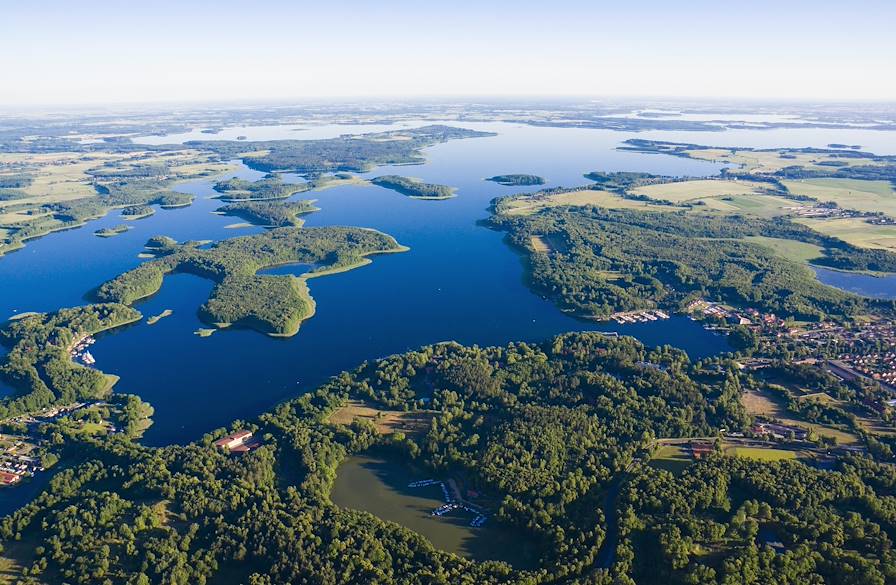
(459, 281)
(380, 486)
(878, 287)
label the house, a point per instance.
(238, 442)
(7, 478)
(780, 431)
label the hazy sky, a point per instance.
(119, 51)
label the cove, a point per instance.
(878, 287)
(379, 486)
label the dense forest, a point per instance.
(272, 304)
(515, 180)
(345, 153)
(39, 365)
(271, 186)
(414, 187)
(557, 432)
(271, 213)
(604, 261)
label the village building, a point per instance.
(7, 478)
(238, 442)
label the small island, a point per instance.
(156, 318)
(414, 188)
(137, 212)
(517, 180)
(111, 231)
(173, 200)
(271, 186)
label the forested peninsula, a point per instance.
(601, 261)
(346, 153)
(275, 305)
(39, 363)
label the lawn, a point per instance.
(672, 458)
(760, 453)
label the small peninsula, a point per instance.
(271, 213)
(271, 186)
(275, 305)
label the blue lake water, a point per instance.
(459, 281)
(879, 287)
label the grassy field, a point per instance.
(855, 194)
(759, 453)
(855, 231)
(766, 206)
(771, 161)
(65, 176)
(385, 421)
(534, 203)
(764, 404)
(789, 249)
(540, 244)
(747, 197)
(672, 458)
(684, 191)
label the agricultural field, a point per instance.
(689, 191)
(771, 161)
(790, 249)
(725, 196)
(855, 231)
(56, 177)
(869, 196)
(765, 206)
(531, 204)
(68, 176)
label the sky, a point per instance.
(96, 52)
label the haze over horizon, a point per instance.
(276, 50)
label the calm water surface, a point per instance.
(879, 287)
(380, 486)
(460, 281)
